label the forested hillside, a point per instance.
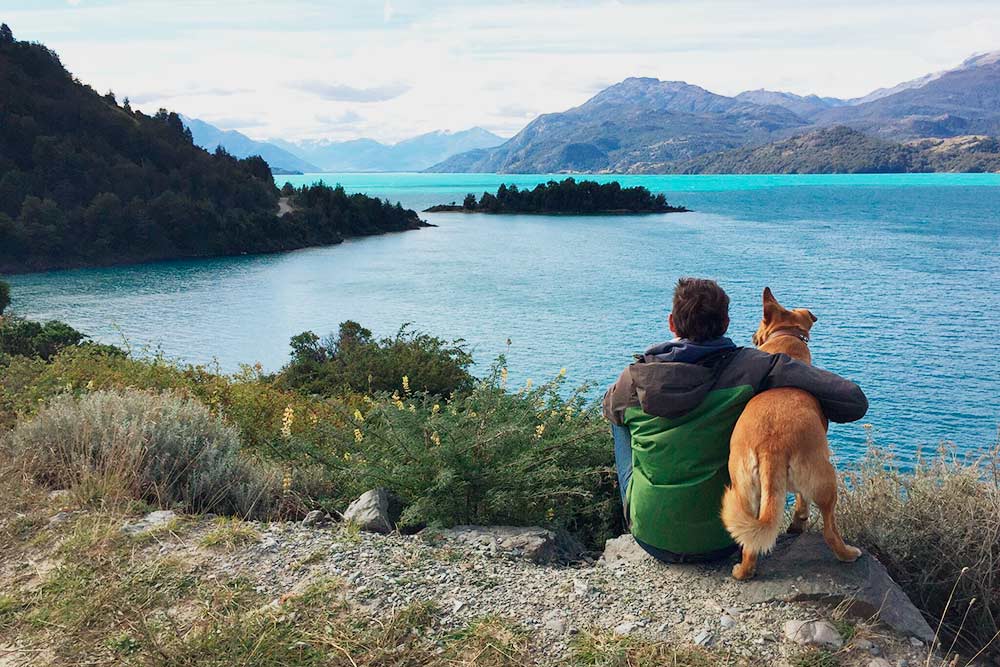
(86, 181)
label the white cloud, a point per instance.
(406, 66)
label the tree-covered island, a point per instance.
(88, 181)
(566, 197)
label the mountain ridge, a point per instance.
(645, 125)
(413, 154)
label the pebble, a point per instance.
(703, 638)
(727, 622)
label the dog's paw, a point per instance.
(796, 528)
(850, 554)
(741, 573)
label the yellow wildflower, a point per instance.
(358, 437)
(527, 385)
(313, 418)
(90, 385)
(503, 376)
(406, 384)
(550, 514)
(358, 416)
(562, 372)
(435, 438)
(286, 422)
(539, 430)
(436, 409)
(286, 482)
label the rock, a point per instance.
(802, 569)
(624, 549)
(59, 495)
(150, 522)
(862, 644)
(316, 519)
(727, 622)
(581, 588)
(703, 638)
(376, 511)
(879, 662)
(59, 518)
(624, 628)
(532, 543)
(916, 643)
(554, 621)
(813, 633)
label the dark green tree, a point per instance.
(4, 296)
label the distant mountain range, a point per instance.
(239, 145)
(415, 154)
(318, 155)
(644, 125)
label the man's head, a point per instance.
(701, 310)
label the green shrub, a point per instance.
(355, 361)
(161, 448)
(491, 456)
(935, 528)
(27, 338)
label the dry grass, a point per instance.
(604, 649)
(229, 534)
(936, 528)
(111, 448)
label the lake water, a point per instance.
(903, 272)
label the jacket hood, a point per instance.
(668, 380)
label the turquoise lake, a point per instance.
(903, 272)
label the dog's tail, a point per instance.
(756, 529)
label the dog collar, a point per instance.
(801, 334)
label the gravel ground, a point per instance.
(687, 604)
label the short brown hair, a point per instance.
(701, 309)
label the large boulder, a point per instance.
(376, 511)
(802, 569)
(532, 543)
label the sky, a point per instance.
(392, 69)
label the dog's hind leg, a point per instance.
(747, 566)
(824, 494)
(800, 515)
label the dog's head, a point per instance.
(777, 317)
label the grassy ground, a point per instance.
(79, 591)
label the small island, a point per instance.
(567, 197)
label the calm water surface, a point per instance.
(903, 272)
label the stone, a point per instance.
(554, 621)
(624, 549)
(916, 643)
(863, 644)
(150, 522)
(531, 543)
(624, 628)
(879, 662)
(803, 569)
(316, 519)
(727, 622)
(59, 518)
(59, 495)
(703, 638)
(813, 633)
(581, 588)
(376, 511)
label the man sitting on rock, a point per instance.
(673, 411)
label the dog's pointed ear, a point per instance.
(813, 317)
(771, 305)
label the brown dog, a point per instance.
(779, 445)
